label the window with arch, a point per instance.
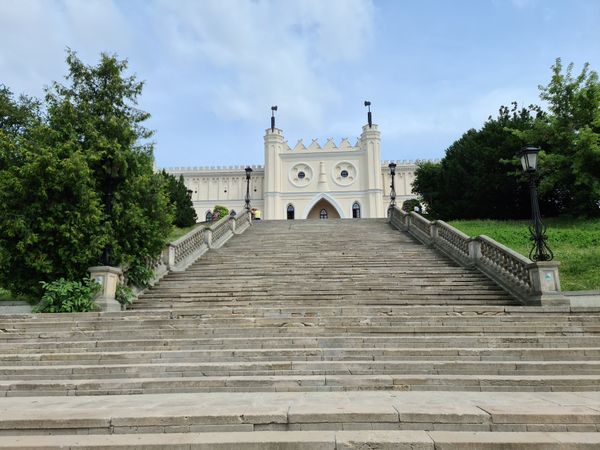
(208, 216)
(323, 214)
(356, 210)
(290, 212)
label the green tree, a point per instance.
(50, 215)
(78, 179)
(181, 200)
(98, 110)
(569, 136)
(479, 175)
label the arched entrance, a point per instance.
(323, 210)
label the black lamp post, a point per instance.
(273, 109)
(392, 167)
(540, 250)
(369, 116)
(247, 199)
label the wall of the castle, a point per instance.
(340, 176)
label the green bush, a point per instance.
(139, 274)
(124, 295)
(68, 296)
(221, 210)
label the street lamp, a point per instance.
(392, 167)
(247, 199)
(369, 117)
(273, 109)
(540, 250)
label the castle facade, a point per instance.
(305, 182)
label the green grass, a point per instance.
(178, 232)
(575, 243)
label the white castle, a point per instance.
(314, 182)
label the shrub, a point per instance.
(68, 296)
(124, 295)
(139, 274)
(221, 210)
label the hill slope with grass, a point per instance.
(575, 243)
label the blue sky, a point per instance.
(431, 68)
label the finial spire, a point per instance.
(273, 109)
(369, 117)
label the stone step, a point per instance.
(196, 368)
(299, 354)
(304, 411)
(373, 343)
(315, 440)
(297, 383)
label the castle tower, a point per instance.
(274, 144)
(370, 141)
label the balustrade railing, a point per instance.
(452, 240)
(187, 244)
(530, 282)
(510, 264)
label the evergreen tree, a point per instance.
(77, 182)
(98, 110)
(181, 200)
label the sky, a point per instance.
(432, 69)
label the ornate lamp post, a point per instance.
(247, 199)
(540, 250)
(392, 167)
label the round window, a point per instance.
(344, 173)
(301, 175)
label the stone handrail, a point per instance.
(528, 281)
(510, 264)
(179, 254)
(187, 244)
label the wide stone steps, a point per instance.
(304, 264)
(330, 334)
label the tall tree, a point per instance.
(479, 176)
(77, 182)
(181, 200)
(98, 110)
(570, 139)
(50, 214)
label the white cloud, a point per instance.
(36, 33)
(269, 52)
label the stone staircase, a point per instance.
(326, 334)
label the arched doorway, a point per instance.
(323, 210)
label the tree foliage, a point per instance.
(479, 176)
(570, 139)
(77, 179)
(181, 201)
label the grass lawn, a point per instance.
(575, 243)
(178, 232)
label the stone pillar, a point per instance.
(546, 283)
(108, 278)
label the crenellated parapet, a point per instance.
(328, 146)
(185, 170)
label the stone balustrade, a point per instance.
(532, 283)
(179, 254)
